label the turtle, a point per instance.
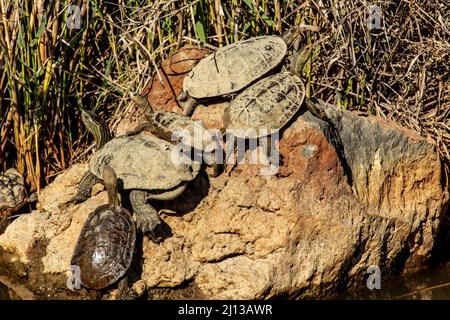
(268, 105)
(234, 67)
(175, 127)
(13, 195)
(106, 244)
(146, 166)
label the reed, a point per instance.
(400, 71)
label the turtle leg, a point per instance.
(217, 168)
(85, 187)
(211, 160)
(313, 107)
(147, 218)
(146, 126)
(189, 106)
(125, 290)
(215, 157)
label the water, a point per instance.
(433, 284)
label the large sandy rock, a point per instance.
(372, 197)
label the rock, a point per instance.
(162, 92)
(374, 197)
(162, 95)
(12, 191)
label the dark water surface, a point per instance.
(433, 284)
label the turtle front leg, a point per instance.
(146, 126)
(187, 103)
(147, 218)
(85, 187)
(313, 106)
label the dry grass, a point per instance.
(400, 71)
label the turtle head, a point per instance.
(300, 58)
(291, 35)
(110, 180)
(89, 118)
(96, 126)
(141, 103)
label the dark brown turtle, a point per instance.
(106, 243)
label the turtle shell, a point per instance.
(12, 189)
(177, 127)
(265, 107)
(105, 247)
(235, 66)
(144, 162)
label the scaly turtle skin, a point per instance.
(175, 128)
(106, 243)
(13, 195)
(150, 168)
(233, 68)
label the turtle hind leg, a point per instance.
(214, 159)
(313, 106)
(125, 291)
(147, 218)
(271, 153)
(146, 126)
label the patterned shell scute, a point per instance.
(235, 66)
(182, 128)
(12, 189)
(105, 247)
(144, 162)
(265, 107)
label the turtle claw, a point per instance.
(153, 227)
